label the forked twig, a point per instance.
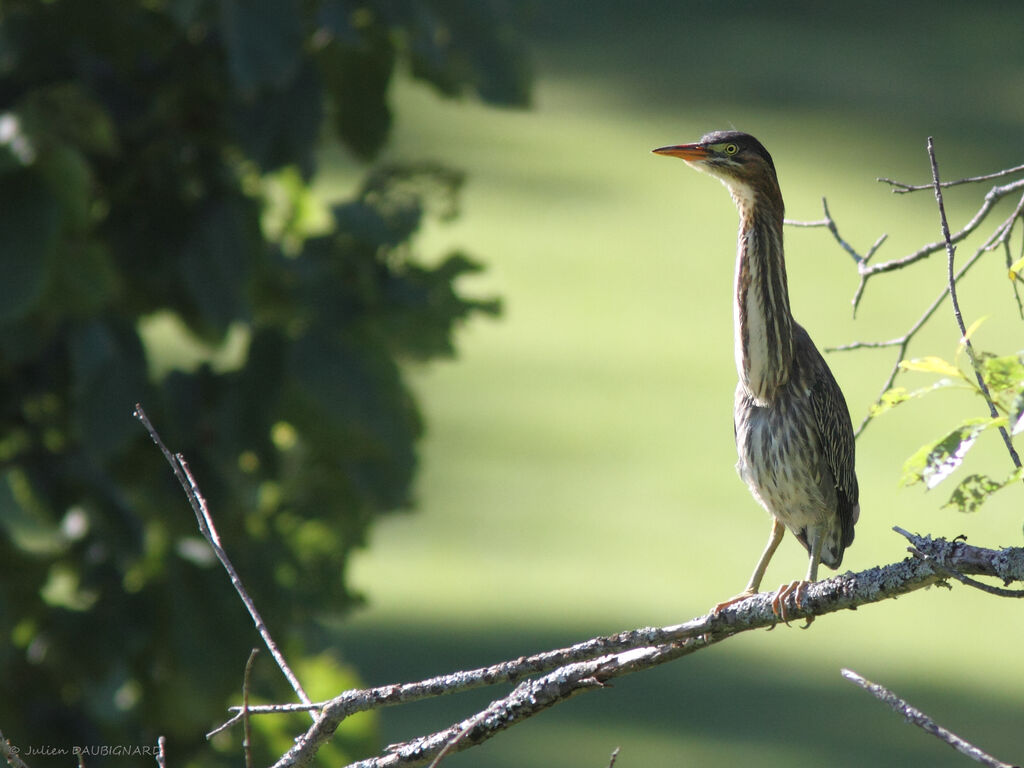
(861, 260)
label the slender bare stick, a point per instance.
(900, 188)
(161, 752)
(917, 717)
(246, 724)
(209, 531)
(829, 223)
(453, 742)
(957, 314)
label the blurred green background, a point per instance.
(578, 466)
(575, 472)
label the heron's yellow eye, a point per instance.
(730, 149)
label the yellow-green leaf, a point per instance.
(890, 399)
(969, 333)
(931, 364)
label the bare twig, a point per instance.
(957, 314)
(470, 724)
(901, 188)
(246, 724)
(209, 531)
(590, 664)
(1009, 263)
(861, 260)
(829, 223)
(920, 719)
(161, 752)
(614, 757)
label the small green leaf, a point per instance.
(974, 490)
(934, 462)
(931, 364)
(890, 399)
(1004, 373)
(897, 395)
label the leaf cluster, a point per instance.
(141, 144)
(936, 460)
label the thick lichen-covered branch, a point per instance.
(546, 679)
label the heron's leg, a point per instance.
(778, 529)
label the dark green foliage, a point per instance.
(135, 143)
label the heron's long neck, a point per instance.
(764, 325)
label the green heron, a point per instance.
(792, 427)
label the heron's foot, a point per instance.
(795, 588)
(717, 609)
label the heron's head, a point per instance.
(738, 159)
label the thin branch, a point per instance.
(901, 188)
(993, 196)
(472, 723)
(161, 752)
(917, 717)
(829, 223)
(590, 664)
(246, 724)
(1015, 279)
(957, 314)
(209, 531)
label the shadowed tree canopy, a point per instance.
(154, 163)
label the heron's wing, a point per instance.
(836, 434)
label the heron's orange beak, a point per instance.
(684, 151)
